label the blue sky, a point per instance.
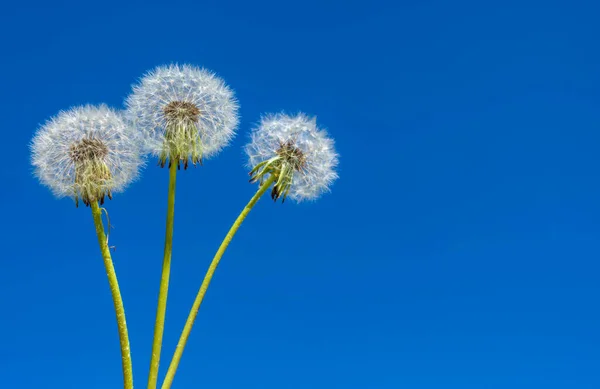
(459, 248)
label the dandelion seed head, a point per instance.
(293, 146)
(181, 112)
(86, 153)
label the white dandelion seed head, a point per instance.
(86, 153)
(207, 109)
(310, 150)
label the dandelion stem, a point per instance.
(116, 296)
(161, 309)
(207, 278)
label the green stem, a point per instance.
(116, 296)
(161, 309)
(207, 278)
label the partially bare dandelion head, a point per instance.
(300, 155)
(87, 153)
(182, 113)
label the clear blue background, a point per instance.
(459, 248)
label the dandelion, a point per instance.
(85, 153)
(299, 160)
(182, 114)
(299, 154)
(88, 153)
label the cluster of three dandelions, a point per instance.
(181, 115)
(177, 113)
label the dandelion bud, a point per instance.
(182, 114)
(85, 153)
(300, 155)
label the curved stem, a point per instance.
(161, 309)
(116, 296)
(207, 278)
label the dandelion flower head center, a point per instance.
(88, 149)
(181, 111)
(288, 159)
(182, 134)
(292, 155)
(92, 175)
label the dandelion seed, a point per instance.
(300, 155)
(86, 153)
(182, 113)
